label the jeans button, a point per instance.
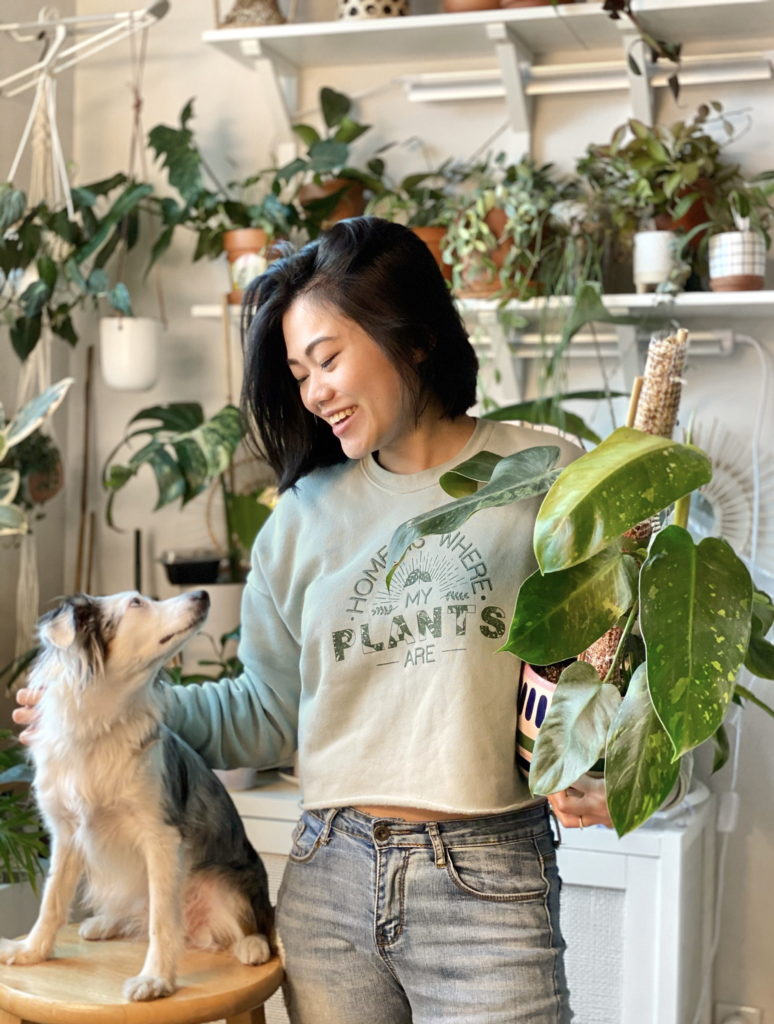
(381, 833)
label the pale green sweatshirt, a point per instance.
(395, 697)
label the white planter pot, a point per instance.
(129, 352)
(18, 908)
(655, 259)
(737, 261)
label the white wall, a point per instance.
(236, 132)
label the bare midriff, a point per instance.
(410, 813)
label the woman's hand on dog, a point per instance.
(583, 803)
(26, 714)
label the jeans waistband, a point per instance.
(518, 824)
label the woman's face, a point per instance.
(347, 380)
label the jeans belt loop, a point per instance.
(324, 837)
(555, 827)
(438, 848)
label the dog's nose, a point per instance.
(202, 597)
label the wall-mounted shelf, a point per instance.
(515, 41)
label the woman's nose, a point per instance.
(318, 392)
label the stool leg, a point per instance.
(255, 1016)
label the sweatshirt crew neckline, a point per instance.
(405, 483)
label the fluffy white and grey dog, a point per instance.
(130, 807)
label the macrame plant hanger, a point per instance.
(49, 182)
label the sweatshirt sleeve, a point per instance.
(252, 720)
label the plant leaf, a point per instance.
(335, 106)
(9, 485)
(541, 410)
(627, 478)
(639, 767)
(515, 478)
(572, 736)
(12, 520)
(465, 478)
(695, 612)
(560, 614)
(36, 411)
(742, 691)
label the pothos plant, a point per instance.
(23, 840)
(54, 260)
(690, 613)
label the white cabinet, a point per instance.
(636, 912)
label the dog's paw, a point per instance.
(100, 927)
(16, 951)
(147, 986)
(252, 949)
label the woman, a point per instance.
(422, 882)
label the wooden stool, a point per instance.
(82, 985)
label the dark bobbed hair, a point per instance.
(385, 279)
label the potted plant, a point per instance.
(500, 237)
(188, 454)
(242, 218)
(738, 234)
(23, 840)
(421, 201)
(30, 465)
(659, 178)
(328, 187)
(685, 616)
(54, 258)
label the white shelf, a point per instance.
(582, 28)
(735, 305)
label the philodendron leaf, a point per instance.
(35, 412)
(465, 478)
(760, 654)
(541, 411)
(695, 614)
(572, 736)
(516, 477)
(639, 767)
(627, 478)
(12, 520)
(562, 613)
(742, 691)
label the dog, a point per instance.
(130, 807)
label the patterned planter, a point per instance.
(534, 699)
(737, 261)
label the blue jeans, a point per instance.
(385, 921)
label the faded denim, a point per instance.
(390, 922)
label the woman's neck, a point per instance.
(434, 442)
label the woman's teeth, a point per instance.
(337, 417)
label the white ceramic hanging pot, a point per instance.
(129, 352)
(737, 261)
(655, 259)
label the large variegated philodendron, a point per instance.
(691, 615)
(26, 421)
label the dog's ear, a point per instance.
(58, 627)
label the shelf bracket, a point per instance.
(515, 60)
(640, 89)
(277, 85)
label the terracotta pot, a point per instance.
(533, 700)
(43, 486)
(460, 6)
(531, 3)
(351, 204)
(433, 239)
(245, 249)
(480, 282)
(737, 261)
(695, 214)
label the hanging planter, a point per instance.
(129, 352)
(737, 261)
(655, 259)
(245, 250)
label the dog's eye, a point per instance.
(136, 602)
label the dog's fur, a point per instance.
(129, 805)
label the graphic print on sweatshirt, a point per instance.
(440, 598)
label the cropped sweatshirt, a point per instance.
(394, 696)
